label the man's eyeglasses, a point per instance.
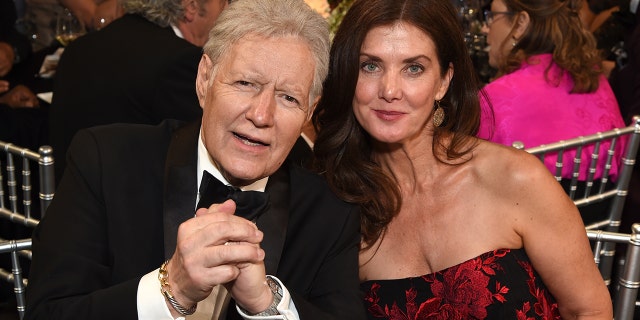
(490, 16)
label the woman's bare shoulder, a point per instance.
(503, 166)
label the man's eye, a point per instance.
(243, 83)
(291, 99)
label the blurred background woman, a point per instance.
(550, 84)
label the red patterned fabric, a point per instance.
(495, 285)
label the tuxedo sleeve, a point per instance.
(84, 264)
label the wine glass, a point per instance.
(68, 28)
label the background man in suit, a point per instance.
(126, 201)
(141, 68)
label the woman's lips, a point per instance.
(388, 115)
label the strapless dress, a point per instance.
(500, 284)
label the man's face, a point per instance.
(207, 13)
(255, 104)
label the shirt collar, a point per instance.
(177, 31)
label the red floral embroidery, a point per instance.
(465, 291)
(542, 307)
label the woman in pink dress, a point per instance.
(549, 85)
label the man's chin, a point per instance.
(244, 176)
(244, 170)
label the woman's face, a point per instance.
(398, 81)
(498, 33)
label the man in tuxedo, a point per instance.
(140, 68)
(120, 238)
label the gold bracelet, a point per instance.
(163, 276)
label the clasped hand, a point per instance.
(217, 247)
(18, 97)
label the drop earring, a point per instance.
(438, 114)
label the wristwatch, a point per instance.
(272, 310)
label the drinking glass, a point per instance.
(68, 28)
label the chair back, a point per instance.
(625, 293)
(600, 189)
(17, 204)
(9, 195)
(16, 248)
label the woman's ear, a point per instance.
(445, 82)
(521, 24)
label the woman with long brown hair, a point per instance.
(453, 227)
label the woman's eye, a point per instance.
(369, 67)
(415, 69)
(243, 83)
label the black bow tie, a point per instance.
(249, 204)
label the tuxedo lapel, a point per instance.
(273, 223)
(180, 183)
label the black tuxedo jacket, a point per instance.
(131, 71)
(115, 215)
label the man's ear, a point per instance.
(203, 79)
(312, 107)
(521, 24)
(190, 9)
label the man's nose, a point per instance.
(262, 108)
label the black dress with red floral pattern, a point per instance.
(495, 285)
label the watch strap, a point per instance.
(272, 310)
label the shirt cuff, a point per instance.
(286, 307)
(151, 302)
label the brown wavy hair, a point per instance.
(343, 149)
(555, 27)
